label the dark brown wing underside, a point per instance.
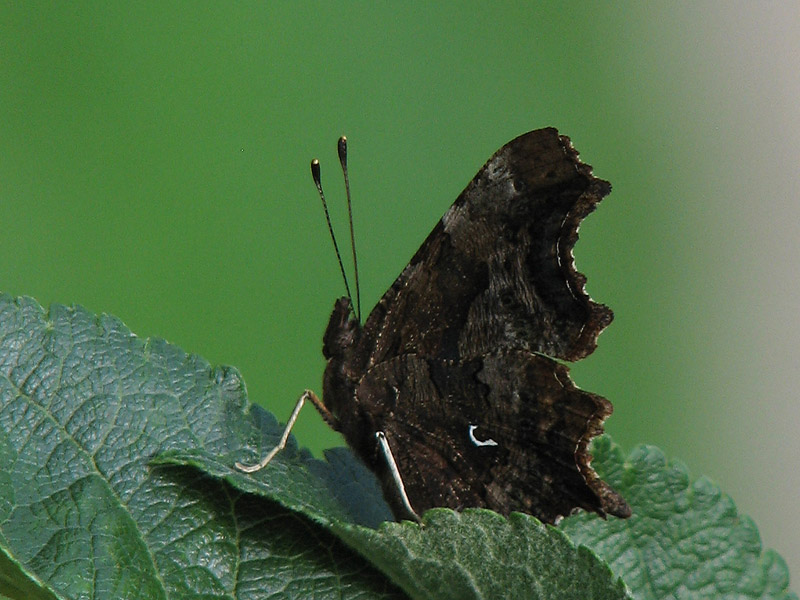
(507, 432)
(497, 271)
(449, 366)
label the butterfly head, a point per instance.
(340, 346)
(343, 330)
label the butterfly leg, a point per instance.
(323, 411)
(395, 472)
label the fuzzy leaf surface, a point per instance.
(685, 539)
(84, 407)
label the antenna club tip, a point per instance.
(315, 171)
(342, 149)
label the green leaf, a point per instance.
(685, 539)
(96, 500)
(16, 583)
(84, 406)
(340, 488)
(118, 483)
(474, 554)
(480, 554)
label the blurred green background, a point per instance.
(154, 165)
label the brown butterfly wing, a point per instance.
(507, 432)
(497, 271)
(455, 342)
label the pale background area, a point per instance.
(752, 62)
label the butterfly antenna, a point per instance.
(343, 161)
(318, 182)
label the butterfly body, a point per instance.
(457, 364)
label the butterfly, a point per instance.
(452, 391)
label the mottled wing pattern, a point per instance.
(497, 271)
(451, 363)
(507, 431)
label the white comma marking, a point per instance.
(476, 441)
